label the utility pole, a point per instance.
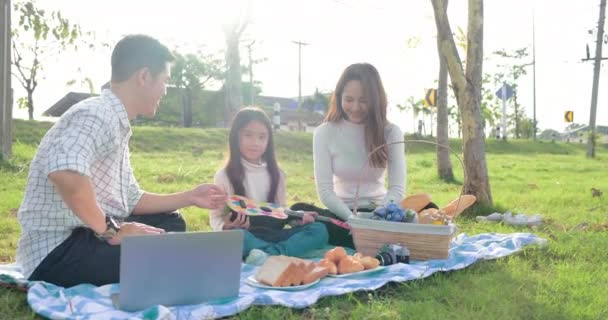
(300, 44)
(251, 89)
(533, 75)
(6, 93)
(597, 64)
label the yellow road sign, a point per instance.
(430, 97)
(569, 116)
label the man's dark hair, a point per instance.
(134, 52)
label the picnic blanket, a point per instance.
(91, 302)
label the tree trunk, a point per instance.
(6, 93)
(444, 165)
(517, 115)
(30, 104)
(186, 108)
(233, 85)
(467, 88)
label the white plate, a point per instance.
(255, 283)
(376, 269)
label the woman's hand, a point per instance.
(240, 222)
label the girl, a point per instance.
(252, 171)
(354, 126)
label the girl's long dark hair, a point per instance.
(234, 168)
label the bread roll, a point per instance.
(357, 256)
(370, 263)
(330, 265)
(349, 265)
(335, 254)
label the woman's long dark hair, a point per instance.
(376, 121)
(234, 168)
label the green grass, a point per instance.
(565, 280)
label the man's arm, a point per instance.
(152, 203)
(207, 196)
(77, 192)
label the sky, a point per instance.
(341, 32)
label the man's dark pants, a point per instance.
(83, 258)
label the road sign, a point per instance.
(505, 92)
(569, 116)
(430, 97)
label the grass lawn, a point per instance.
(565, 280)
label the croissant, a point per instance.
(370, 263)
(349, 265)
(357, 256)
(335, 254)
(331, 267)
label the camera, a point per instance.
(393, 253)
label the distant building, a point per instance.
(208, 105)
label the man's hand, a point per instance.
(208, 196)
(241, 222)
(133, 228)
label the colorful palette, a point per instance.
(255, 208)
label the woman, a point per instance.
(356, 125)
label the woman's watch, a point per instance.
(112, 229)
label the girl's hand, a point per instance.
(309, 217)
(240, 222)
(208, 196)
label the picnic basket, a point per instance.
(424, 241)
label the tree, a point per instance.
(549, 134)
(415, 105)
(6, 100)
(526, 127)
(39, 36)
(511, 76)
(190, 73)
(467, 88)
(233, 31)
(444, 165)
(318, 101)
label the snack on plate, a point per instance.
(284, 271)
(316, 273)
(332, 268)
(370, 263)
(349, 265)
(335, 255)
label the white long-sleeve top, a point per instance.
(256, 184)
(339, 156)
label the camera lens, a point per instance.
(385, 258)
(403, 259)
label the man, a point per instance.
(81, 197)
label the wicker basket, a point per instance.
(424, 241)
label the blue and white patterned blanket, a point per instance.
(91, 302)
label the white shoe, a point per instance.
(494, 217)
(522, 219)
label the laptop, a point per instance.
(180, 268)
